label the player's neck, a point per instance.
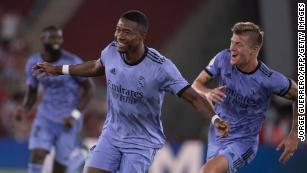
(249, 67)
(135, 56)
(50, 58)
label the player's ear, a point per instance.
(255, 49)
(143, 35)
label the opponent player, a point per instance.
(242, 98)
(137, 78)
(58, 118)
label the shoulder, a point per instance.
(155, 57)
(263, 74)
(160, 62)
(221, 57)
(35, 58)
(272, 78)
(110, 47)
(32, 60)
(220, 60)
(109, 51)
(265, 71)
(224, 52)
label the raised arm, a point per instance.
(291, 141)
(87, 69)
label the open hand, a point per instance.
(290, 146)
(217, 95)
(45, 69)
(222, 127)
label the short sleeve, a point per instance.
(31, 80)
(279, 84)
(172, 80)
(214, 66)
(104, 53)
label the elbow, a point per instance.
(196, 86)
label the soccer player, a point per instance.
(58, 118)
(242, 98)
(137, 77)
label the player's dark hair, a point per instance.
(254, 31)
(51, 28)
(138, 17)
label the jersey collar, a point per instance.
(258, 66)
(137, 62)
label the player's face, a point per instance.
(53, 38)
(241, 49)
(128, 36)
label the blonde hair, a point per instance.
(253, 30)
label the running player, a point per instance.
(137, 78)
(58, 119)
(242, 98)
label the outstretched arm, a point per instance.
(205, 108)
(86, 69)
(291, 141)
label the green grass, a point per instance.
(12, 171)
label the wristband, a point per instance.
(76, 114)
(214, 118)
(65, 69)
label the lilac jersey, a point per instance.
(135, 95)
(60, 94)
(247, 95)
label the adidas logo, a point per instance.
(231, 154)
(228, 75)
(113, 71)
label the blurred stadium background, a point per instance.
(188, 32)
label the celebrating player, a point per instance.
(58, 118)
(242, 98)
(137, 78)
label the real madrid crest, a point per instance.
(140, 83)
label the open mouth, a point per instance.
(56, 46)
(234, 55)
(120, 44)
